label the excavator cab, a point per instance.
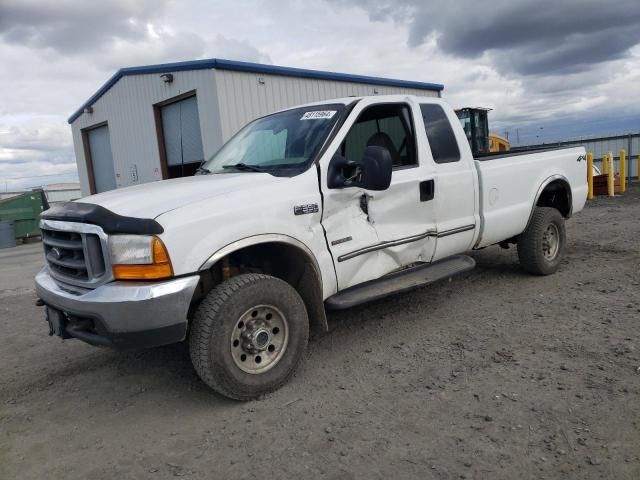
(475, 123)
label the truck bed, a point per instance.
(509, 188)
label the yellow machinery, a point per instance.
(475, 122)
(498, 143)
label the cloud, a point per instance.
(163, 45)
(113, 34)
(34, 151)
(224, 47)
(528, 36)
(55, 56)
(573, 66)
(71, 27)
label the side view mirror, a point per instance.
(373, 172)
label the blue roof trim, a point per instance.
(222, 64)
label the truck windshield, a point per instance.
(284, 142)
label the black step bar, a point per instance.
(399, 282)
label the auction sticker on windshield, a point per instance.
(319, 115)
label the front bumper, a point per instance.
(121, 314)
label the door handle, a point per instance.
(427, 190)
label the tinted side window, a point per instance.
(386, 125)
(444, 146)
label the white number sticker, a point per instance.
(318, 115)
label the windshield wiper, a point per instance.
(245, 168)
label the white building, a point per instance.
(54, 192)
(160, 121)
(62, 192)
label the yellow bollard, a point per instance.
(612, 164)
(623, 171)
(605, 164)
(611, 177)
(590, 175)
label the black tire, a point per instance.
(217, 319)
(533, 247)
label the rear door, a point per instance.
(455, 186)
(372, 233)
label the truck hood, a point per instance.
(153, 199)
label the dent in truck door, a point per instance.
(372, 233)
(455, 182)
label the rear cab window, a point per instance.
(442, 140)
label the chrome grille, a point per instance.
(76, 252)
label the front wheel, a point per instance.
(542, 245)
(248, 335)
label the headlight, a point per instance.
(139, 257)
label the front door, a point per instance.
(372, 233)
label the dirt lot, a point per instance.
(493, 375)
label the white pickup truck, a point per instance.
(322, 206)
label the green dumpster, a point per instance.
(24, 211)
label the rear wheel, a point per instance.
(542, 245)
(248, 335)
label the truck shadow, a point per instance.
(494, 267)
(114, 380)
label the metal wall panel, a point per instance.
(634, 156)
(603, 145)
(244, 96)
(60, 196)
(128, 107)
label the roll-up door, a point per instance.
(104, 176)
(182, 137)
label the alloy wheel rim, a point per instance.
(550, 242)
(259, 339)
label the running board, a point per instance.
(398, 282)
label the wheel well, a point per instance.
(281, 260)
(557, 194)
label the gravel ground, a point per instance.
(492, 375)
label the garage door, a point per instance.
(182, 139)
(101, 158)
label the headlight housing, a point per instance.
(139, 257)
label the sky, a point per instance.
(549, 69)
